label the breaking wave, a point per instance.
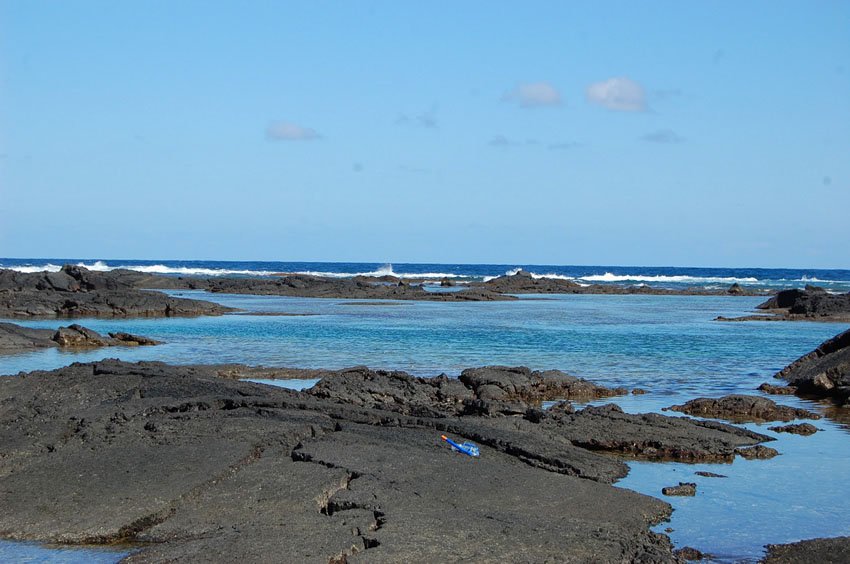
(610, 277)
(102, 266)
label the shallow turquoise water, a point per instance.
(668, 345)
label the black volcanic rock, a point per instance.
(824, 372)
(14, 338)
(521, 383)
(804, 429)
(77, 292)
(523, 283)
(811, 303)
(192, 465)
(820, 551)
(742, 408)
(115, 452)
(683, 489)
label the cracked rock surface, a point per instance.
(193, 466)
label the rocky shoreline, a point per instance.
(200, 462)
(14, 338)
(822, 373)
(77, 292)
(810, 304)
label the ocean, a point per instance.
(667, 345)
(661, 276)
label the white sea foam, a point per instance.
(386, 270)
(610, 277)
(30, 269)
(101, 266)
(515, 271)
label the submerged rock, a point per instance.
(742, 408)
(690, 553)
(800, 429)
(775, 390)
(758, 452)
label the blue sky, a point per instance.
(651, 133)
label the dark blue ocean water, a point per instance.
(668, 345)
(663, 276)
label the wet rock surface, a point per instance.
(192, 464)
(742, 409)
(14, 338)
(823, 551)
(799, 429)
(77, 292)
(824, 372)
(775, 390)
(683, 489)
(758, 452)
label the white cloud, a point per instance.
(534, 95)
(501, 141)
(619, 93)
(667, 136)
(288, 131)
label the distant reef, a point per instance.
(501, 288)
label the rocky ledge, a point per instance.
(189, 464)
(14, 338)
(822, 373)
(77, 292)
(810, 304)
(823, 551)
(741, 408)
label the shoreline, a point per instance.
(335, 431)
(329, 446)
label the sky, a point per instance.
(620, 133)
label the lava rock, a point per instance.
(683, 489)
(799, 429)
(743, 408)
(758, 452)
(823, 551)
(824, 372)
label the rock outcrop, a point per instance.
(77, 292)
(14, 338)
(683, 489)
(824, 372)
(192, 464)
(823, 551)
(804, 429)
(742, 409)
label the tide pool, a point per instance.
(667, 345)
